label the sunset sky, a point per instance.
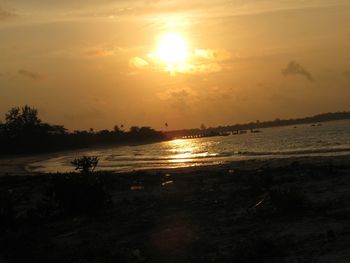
(97, 63)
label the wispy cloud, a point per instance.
(154, 10)
(199, 8)
(178, 98)
(199, 61)
(138, 63)
(5, 14)
(29, 74)
(103, 50)
(294, 68)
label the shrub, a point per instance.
(85, 164)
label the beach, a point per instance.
(277, 210)
(174, 131)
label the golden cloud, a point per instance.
(199, 61)
(138, 63)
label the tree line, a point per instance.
(331, 116)
(23, 132)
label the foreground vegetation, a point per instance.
(293, 213)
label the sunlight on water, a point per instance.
(187, 151)
(182, 148)
(332, 138)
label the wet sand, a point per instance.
(289, 210)
(10, 165)
(23, 165)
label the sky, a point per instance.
(99, 63)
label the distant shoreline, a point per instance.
(320, 118)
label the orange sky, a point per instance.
(96, 63)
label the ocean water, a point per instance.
(331, 138)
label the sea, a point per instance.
(322, 139)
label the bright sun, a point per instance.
(172, 49)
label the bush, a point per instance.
(85, 164)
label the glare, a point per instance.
(172, 49)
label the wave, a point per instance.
(295, 152)
(209, 156)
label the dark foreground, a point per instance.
(295, 211)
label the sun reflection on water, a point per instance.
(185, 151)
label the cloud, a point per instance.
(212, 54)
(104, 51)
(99, 53)
(179, 98)
(29, 74)
(190, 11)
(199, 61)
(5, 14)
(202, 8)
(138, 63)
(293, 68)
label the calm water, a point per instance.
(332, 138)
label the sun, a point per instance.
(172, 49)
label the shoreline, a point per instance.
(20, 165)
(14, 164)
(295, 210)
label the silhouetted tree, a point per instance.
(24, 132)
(116, 128)
(19, 120)
(134, 130)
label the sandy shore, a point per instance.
(280, 210)
(19, 164)
(289, 210)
